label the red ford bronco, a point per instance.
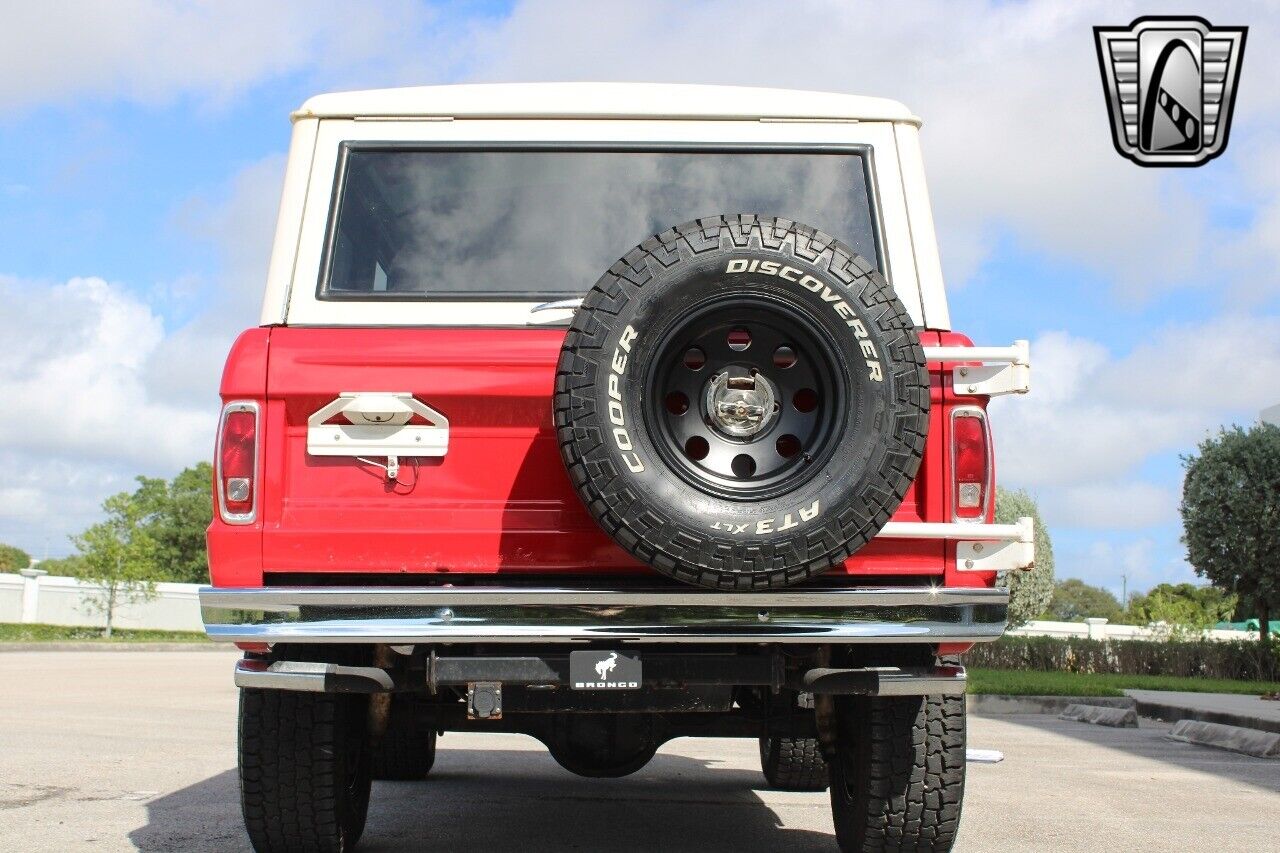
(607, 414)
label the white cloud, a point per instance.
(46, 497)
(1016, 135)
(1109, 505)
(80, 420)
(72, 380)
(153, 52)
(1092, 420)
(1091, 415)
(99, 390)
(187, 364)
(1140, 561)
(1016, 143)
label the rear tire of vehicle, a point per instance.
(742, 402)
(602, 746)
(897, 776)
(304, 770)
(407, 749)
(793, 764)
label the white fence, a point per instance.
(34, 596)
(1100, 629)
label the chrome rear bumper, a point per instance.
(405, 615)
(311, 677)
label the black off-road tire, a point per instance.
(793, 764)
(304, 770)
(897, 778)
(631, 474)
(407, 749)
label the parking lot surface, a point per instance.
(136, 750)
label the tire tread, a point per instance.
(679, 550)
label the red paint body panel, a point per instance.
(499, 502)
(953, 577)
(244, 376)
(235, 550)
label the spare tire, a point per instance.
(742, 402)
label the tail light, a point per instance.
(237, 473)
(970, 463)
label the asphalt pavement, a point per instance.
(109, 751)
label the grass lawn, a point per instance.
(11, 633)
(1026, 683)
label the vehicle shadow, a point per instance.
(520, 799)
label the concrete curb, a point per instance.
(994, 703)
(1176, 713)
(989, 704)
(1234, 738)
(111, 646)
(1117, 718)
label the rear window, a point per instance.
(535, 224)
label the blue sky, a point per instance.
(141, 149)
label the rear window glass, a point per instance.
(534, 225)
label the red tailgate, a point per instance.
(498, 501)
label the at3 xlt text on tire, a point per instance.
(679, 417)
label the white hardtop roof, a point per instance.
(602, 100)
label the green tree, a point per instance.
(13, 559)
(1231, 515)
(1074, 600)
(1184, 607)
(1029, 592)
(177, 513)
(118, 555)
(72, 567)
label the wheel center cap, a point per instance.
(740, 403)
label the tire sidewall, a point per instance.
(642, 319)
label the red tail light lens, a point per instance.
(237, 463)
(971, 464)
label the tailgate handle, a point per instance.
(377, 424)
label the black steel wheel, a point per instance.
(742, 402)
(745, 399)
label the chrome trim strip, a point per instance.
(289, 597)
(400, 615)
(305, 676)
(947, 680)
(988, 475)
(252, 515)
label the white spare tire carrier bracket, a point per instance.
(377, 424)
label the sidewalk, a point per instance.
(1230, 709)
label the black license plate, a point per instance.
(604, 671)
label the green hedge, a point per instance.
(1235, 659)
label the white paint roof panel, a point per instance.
(603, 100)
